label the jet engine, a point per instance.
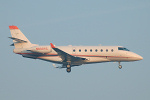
(41, 49)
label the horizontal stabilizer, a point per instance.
(18, 40)
(12, 44)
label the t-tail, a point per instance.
(19, 39)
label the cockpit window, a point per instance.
(122, 48)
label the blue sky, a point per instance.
(80, 22)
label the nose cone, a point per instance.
(139, 57)
(135, 57)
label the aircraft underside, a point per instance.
(70, 64)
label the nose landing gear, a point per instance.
(120, 66)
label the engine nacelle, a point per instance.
(41, 49)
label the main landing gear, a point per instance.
(68, 68)
(120, 66)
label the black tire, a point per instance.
(120, 67)
(68, 70)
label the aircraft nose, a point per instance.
(139, 57)
(136, 57)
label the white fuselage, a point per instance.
(93, 54)
(69, 56)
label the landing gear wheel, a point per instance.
(120, 66)
(68, 66)
(68, 70)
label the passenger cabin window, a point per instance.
(90, 50)
(79, 50)
(106, 50)
(85, 50)
(101, 50)
(74, 50)
(122, 48)
(112, 50)
(96, 50)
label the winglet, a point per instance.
(52, 45)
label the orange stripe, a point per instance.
(13, 27)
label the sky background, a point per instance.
(75, 22)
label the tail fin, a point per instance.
(19, 39)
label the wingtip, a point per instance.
(52, 45)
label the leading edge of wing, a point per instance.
(65, 56)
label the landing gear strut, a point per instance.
(68, 68)
(120, 66)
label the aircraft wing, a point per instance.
(65, 56)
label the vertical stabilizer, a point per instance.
(19, 39)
